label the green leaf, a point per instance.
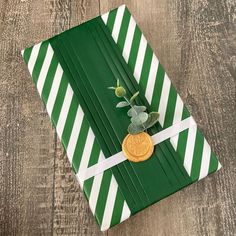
(134, 129)
(112, 88)
(140, 118)
(134, 96)
(152, 119)
(135, 110)
(122, 104)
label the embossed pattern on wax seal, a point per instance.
(138, 147)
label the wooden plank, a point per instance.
(195, 41)
(26, 136)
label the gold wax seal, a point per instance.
(137, 147)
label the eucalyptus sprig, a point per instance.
(140, 119)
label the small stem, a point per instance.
(127, 100)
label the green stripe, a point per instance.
(49, 79)
(92, 160)
(182, 141)
(213, 164)
(39, 61)
(88, 186)
(146, 68)
(80, 144)
(102, 197)
(118, 207)
(27, 53)
(197, 156)
(70, 121)
(134, 48)
(95, 153)
(170, 111)
(158, 88)
(59, 99)
(111, 19)
(123, 29)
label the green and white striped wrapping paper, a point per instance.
(197, 157)
(102, 191)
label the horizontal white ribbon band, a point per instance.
(119, 157)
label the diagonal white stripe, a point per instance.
(86, 154)
(75, 133)
(179, 106)
(96, 187)
(129, 39)
(117, 24)
(206, 156)
(33, 57)
(219, 166)
(105, 17)
(64, 111)
(188, 158)
(111, 197)
(125, 212)
(140, 58)
(164, 99)
(151, 78)
(44, 69)
(54, 89)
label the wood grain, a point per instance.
(196, 43)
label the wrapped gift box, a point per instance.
(72, 72)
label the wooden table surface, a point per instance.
(196, 43)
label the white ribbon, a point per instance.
(119, 157)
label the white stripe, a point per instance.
(129, 39)
(151, 78)
(111, 197)
(64, 111)
(179, 106)
(188, 158)
(54, 89)
(86, 154)
(33, 57)
(125, 212)
(164, 99)
(219, 166)
(140, 58)
(117, 24)
(206, 156)
(96, 187)
(44, 69)
(105, 17)
(75, 133)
